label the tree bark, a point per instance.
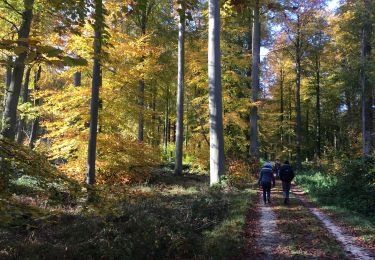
(155, 137)
(8, 75)
(281, 106)
(367, 117)
(215, 95)
(166, 122)
(96, 83)
(298, 95)
(318, 131)
(10, 110)
(187, 124)
(35, 122)
(254, 146)
(141, 104)
(180, 94)
(290, 121)
(25, 97)
(8, 80)
(141, 90)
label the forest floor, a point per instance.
(170, 217)
(45, 215)
(300, 230)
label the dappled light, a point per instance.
(187, 129)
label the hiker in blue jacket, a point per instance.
(265, 179)
(286, 176)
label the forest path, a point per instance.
(348, 242)
(269, 234)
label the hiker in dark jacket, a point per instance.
(286, 176)
(265, 179)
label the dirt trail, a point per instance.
(348, 242)
(268, 228)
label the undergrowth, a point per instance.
(45, 215)
(350, 186)
(347, 191)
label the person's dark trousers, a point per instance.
(286, 189)
(266, 186)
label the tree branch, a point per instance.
(12, 7)
(12, 23)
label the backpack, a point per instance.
(287, 174)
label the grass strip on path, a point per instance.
(306, 238)
(347, 241)
(359, 225)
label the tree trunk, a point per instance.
(8, 80)
(298, 95)
(290, 122)
(77, 79)
(35, 123)
(318, 134)
(180, 94)
(141, 104)
(187, 124)
(215, 95)
(169, 130)
(96, 82)
(366, 38)
(8, 75)
(155, 137)
(254, 146)
(25, 96)
(141, 92)
(307, 130)
(166, 122)
(10, 110)
(281, 105)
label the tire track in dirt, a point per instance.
(269, 234)
(347, 241)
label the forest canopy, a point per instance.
(132, 80)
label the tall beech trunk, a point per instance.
(169, 130)
(298, 93)
(254, 145)
(25, 97)
(141, 91)
(155, 131)
(317, 109)
(290, 121)
(7, 81)
(307, 130)
(187, 124)
(77, 78)
(35, 122)
(10, 110)
(141, 104)
(180, 94)
(367, 114)
(215, 95)
(166, 123)
(96, 82)
(281, 106)
(8, 75)
(8, 78)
